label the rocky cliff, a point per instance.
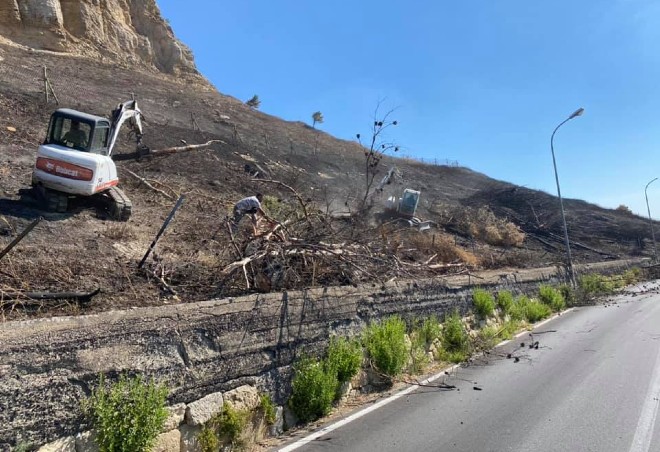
(129, 31)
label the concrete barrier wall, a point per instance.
(47, 366)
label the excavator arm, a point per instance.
(127, 111)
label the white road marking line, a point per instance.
(644, 433)
(325, 430)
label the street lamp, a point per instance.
(655, 251)
(571, 272)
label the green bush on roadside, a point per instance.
(535, 311)
(530, 310)
(455, 339)
(313, 389)
(226, 426)
(552, 298)
(569, 294)
(268, 408)
(386, 345)
(632, 276)
(430, 330)
(487, 338)
(127, 415)
(422, 336)
(484, 305)
(517, 309)
(344, 359)
(509, 329)
(504, 301)
(594, 284)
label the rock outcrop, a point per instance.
(130, 31)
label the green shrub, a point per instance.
(535, 311)
(231, 423)
(280, 210)
(429, 331)
(227, 426)
(595, 284)
(504, 301)
(455, 339)
(487, 338)
(530, 310)
(422, 336)
(509, 329)
(208, 439)
(569, 294)
(22, 446)
(127, 415)
(268, 408)
(517, 309)
(344, 358)
(484, 305)
(313, 389)
(632, 276)
(419, 358)
(551, 297)
(386, 344)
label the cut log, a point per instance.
(28, 297)
(190, 147)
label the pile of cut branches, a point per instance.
(307, 248)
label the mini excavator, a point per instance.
(76, 158)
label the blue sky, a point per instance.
(481, 82)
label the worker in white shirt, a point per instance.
(251, 206)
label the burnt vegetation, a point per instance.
(331, 226)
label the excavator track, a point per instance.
(52, 200)
(120, 206)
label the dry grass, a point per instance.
(443, 246)
(482, 224)
(119, 231)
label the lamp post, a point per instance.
(655, 251)
(569, 264)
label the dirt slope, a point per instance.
(82, 250)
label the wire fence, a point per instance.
(432, 161)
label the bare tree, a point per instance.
(376, 149)
(317, 117)
(254, 102)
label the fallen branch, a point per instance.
(437, 266)
(233, 240)
(242, 263)
(189, 147)
(274, 230)
(166, 286)
(145, 182)
(428, 261)
(20, 237)
(146, 152)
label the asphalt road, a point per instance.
(593, 385)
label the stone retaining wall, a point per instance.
(47, 366)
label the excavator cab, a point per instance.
(408, 203)
(78, 131)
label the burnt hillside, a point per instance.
(82, 250)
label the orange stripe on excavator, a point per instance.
(109, 184)
(64, 169)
